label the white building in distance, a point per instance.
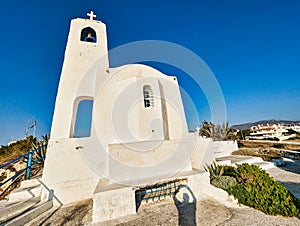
(270, 131)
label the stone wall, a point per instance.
(225, 148)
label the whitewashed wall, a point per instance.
(225, 148)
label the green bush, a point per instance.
(278, 146)
(240, 144)
(257, 189)
(224, 182)
(229, 171)
(214, 170)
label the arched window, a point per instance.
(88, 34)
(83, 122)
(148, 96)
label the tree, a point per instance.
(215, 131)
(206, 129)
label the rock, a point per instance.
(279, 162)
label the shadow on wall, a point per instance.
(186, 203)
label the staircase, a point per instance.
(24, 205)
(233, 160)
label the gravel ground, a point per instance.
(208, 212)
(205, 212)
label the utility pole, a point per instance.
(34, 129)
(26, 132)
(31, 127)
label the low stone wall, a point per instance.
(207, 150)
(225, 148)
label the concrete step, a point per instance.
(3, 203)
(240, 159)
(13, 210)
(265, 165)
(33, 213)
(28, 190)
(39, 220)
(20, 195)
(30, 183)
(224, 163)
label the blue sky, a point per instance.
(252, 47)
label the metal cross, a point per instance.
(91, 15)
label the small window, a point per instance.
(148, 96)
(83, 121)
(88, 34)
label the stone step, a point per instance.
(224, 163)
(39, 220)
(24, 194)
(30, 183)
(3, 203)
(265, 165)
(33, 213)
(28, 190)
(13, 210)
(240, 159)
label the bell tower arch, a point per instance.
(85, 56)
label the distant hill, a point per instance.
(271, 121)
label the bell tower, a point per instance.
(85, 57)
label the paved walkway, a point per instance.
(288, 175)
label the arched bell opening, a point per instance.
(88, 34)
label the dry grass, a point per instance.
(267, 150)
(266, 155)
(7, 157)
(270, 145)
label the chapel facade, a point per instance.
(136, 128)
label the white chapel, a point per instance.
(137, 132)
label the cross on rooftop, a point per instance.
(91, 15)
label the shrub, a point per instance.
(278, 146)
(240, 144)
(214, 170)
(229, 171)
(16, 149)
(224, 182)
(3, 176)
(257, 189)
(272, 139)
(41, 150)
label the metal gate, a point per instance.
(157, 191)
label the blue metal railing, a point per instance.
(30, 163)
(157, 191)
